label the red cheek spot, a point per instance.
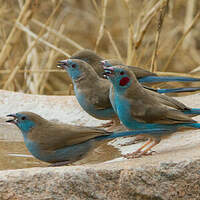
(124, 81)
(73, 66)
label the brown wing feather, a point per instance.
(151, 108)
(139, 72)
(53, 136)
(162, 115)
(168, 101)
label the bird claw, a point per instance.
(149, 153)
(138, 154)
(128, 143)
(131, 155)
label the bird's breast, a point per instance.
(89, 101)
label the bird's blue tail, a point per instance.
(135, 132)
(177, 90)
(194, 125)
(192, 111)
(155, 79)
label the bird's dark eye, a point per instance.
(73, 65)
(23, 118)
(121, 73)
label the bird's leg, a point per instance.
(132, 155)
(145, 152)
(57, 164)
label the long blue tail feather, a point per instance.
(155, 79)
(135, 132)
(177, 90)
(194, 125)
(195, 111)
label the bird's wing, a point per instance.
(140, 73)
(155, 113)
(56, 136)
(168, 101)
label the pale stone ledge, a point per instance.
(172, 173)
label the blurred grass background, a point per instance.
(159, 35)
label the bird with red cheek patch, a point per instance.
(139, 108)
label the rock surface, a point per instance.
(172, 173)
(143, 179)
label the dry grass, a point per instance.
(159, 35)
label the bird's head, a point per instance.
(111, 62)
(106, 63)
(87, 55)
(77, 69)
(119, 76)
(25, 121)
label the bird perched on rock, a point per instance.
(92, 92)
(61, 144)
(139, 108)
(144, 76)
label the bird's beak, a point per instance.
(62, 64)
(14, 120)
(108, 71)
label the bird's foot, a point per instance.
(138, 154)
(57, 164)
(131, 155)
(149, 153)
(128, 143)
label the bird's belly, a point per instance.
(33, 148)
(107, 113)
(70, 153)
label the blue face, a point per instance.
(118, 77)
(23, 122)
(73, 69)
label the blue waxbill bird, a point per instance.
(139, 108)
(62, 144)
(144, 76)
(92, 91)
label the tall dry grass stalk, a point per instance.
(163, 11)
(158, 35)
